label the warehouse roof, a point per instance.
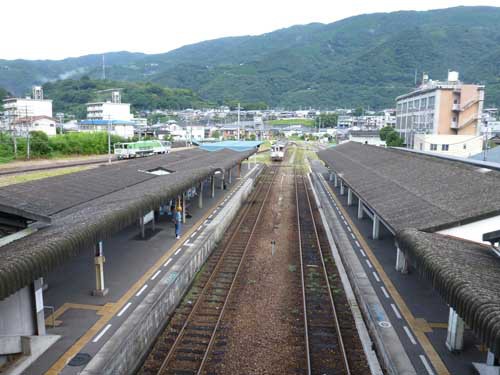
(410, 190)
(232, 145)
(466, 275)
(89, 206)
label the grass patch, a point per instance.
(292, 121)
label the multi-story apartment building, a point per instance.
(110, 110)
(440, 108)
(15, 108)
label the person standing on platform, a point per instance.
(178, 220)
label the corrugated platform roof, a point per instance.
(410, 190)
(91, 205)
(466, 274)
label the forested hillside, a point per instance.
(364, 60)
(69, 96)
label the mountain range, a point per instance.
(366, 60)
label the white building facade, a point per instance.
(452, 145)
(109, 111)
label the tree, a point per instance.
(385, 131)
(394, 140)
(328, 120)
(39, 143)
(216, 134)
(359, 111)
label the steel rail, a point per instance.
(212, 338)
(207, 285)
(325, 274)
(304, 303)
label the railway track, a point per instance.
(331, 342)
(185, 347)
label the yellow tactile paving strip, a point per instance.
(416, 325)
(113, 308)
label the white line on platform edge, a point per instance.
(362, 252)
(178, 251)
(396, 311)
(167, 262)
(369, 264)
(156, 274)
(353, 236)
(357, 243)
(426, 365)
(98, 337)
(141, 290)
(410, 336)
(122, 311)
(376, 276)
(385, 292)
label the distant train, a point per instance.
(278, 151)
(141, 149)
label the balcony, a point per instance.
(454, 125)
(456, 107)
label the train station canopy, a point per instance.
(465, 274)
(413, 190)
(232, 145)
(74, 211)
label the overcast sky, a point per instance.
(55, 29)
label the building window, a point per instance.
(421, 146)
(434, 147)
(465, 146)
(423, 103)
(445, 147)
(430, 103)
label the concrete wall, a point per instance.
(126, 349)
(17, 314)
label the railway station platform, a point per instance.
(417, 313)
(375, 195)
(78, 315)
(93, 242)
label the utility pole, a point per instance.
(109, 137)
(239, 108)
(28, 124)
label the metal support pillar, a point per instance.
(335, 180)
(229, 179)
(401, 263)
(212, 183)
(239, 170)
(40, 316)
(376, 227)
(222, 181)
(341, 187)
(143, 227)
(200, 196)
(455, 336)
(349, 196)
(361, 213)
(330, 177)
(99, 259)
(183, 208)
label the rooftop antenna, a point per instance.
(415, 76)
(103, 69)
